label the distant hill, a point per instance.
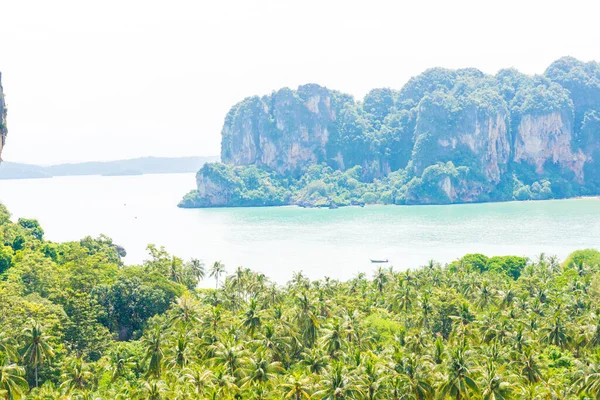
(136, 166)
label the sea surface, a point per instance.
(138, 210)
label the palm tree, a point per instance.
(315, 360)
(174, 270)
(37, 348)
(412, 373)
(530, 367)
(338, 384)
(217, 269)
(200, 379)
(589, 380)
(458, 382)
(373, 380)
(404, 298)
(493, 385)
(154, 390)
(184, 313)
(231, 357)
(297, 387)
(180, 351)
(252, 320)
(306, 319)
(121, 360)
(154, 352)
(556, 333)
(380, 279)
(260, 370)
(485, 296)
(12, 383)
(76, 376)
(198, 269)
(333, 338)
(7, 346)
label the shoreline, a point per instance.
(335, 207)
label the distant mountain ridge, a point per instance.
(447, 136)
(136, 166)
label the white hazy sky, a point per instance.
(104, 80)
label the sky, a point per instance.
(109, 80)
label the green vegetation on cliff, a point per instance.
(76, 323)
(447, 136)
(323, 186)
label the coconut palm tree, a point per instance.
(403, 298)
(8, 347)
(588, 381)
(121, 360)
(306, 319)
(12, 384)
(216, 270)
(180, 350)
(296, 387)
(556, 333)
(459, 382)
(232, 357)
(37, 348)
(315, 360)
(338, 383)
(154, 353)
(494, 386)
(154, 390)
(372, 380)
(198, 269)
(185, 312)
(334, 338)
(252, 320)
(530, 368)
(412, 378)
(260, 369)
(76, 375)
(380, 279)
(200, 379)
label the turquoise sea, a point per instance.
(137, 210)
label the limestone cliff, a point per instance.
(447, 136)
(285, 132)
(474, 135)
(3, 128)
(547, 138)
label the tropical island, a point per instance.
(75, 322)
(448, 136)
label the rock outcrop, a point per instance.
(452, 136)
(285, 132)
(547, 138)
(3, 128)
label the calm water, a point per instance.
(138, 210)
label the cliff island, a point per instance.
(448, 136)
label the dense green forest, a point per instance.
(76, 323)
(323, 186)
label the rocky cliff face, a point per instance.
(3, 128)
(478, 134)
(453, 135)
(547, 138)
(285, 132)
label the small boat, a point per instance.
(378, 261)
